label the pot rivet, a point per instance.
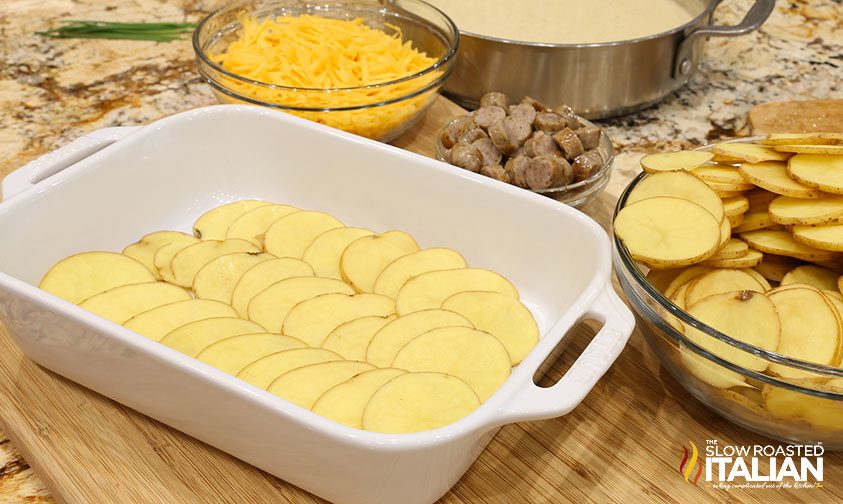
(685, 67)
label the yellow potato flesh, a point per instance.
(326, 250)
(719, 282)
(365, 258)
(722, 174)
(733, 249)
(265, 370)
(351, 339)
(344, 403)
(430, 289)
(144, 250)
(313, 320)
(678, 185)
(782, 243)
(397, 333)
(213, 224)
(252, 225)
(750, 153)
(685, 276)
(81, 276)
(188, 261)
(661, 279)
(164, 256)
(751, 259)
(674, 161)
(816, 138)
(124, 302)
(709, 372)
(290, 236)
(157, 322)
(818, 171)
(821, 413)
(774, 177)
(834, 150)
(828, 237)
(217, 279)
(736, 205)
(396, 273)
(261, 276)
(192, 338)
(798, 211)
(236, 352)
(270, 307)
(303, 386)
(817, 276)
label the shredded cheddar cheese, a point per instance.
(322, 63)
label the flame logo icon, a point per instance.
(689, 462)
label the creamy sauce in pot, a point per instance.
(569, 21)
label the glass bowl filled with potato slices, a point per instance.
(731, 256)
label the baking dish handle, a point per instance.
(51, 163)
(538, 403)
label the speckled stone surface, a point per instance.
(52, 91)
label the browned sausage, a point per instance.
(550, 121)
(516, 167)
(541, 144)
(523, 111)
(586, 165)
(485, 116)
(589, 136)
(455, 130)
(495, 98)
(569, 142)
(537, 105)
(497, 172)
(569, 115)
(466, 156)
(491, 155)
(509, 134)
(473, 134)
(545, 172)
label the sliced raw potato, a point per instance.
(719, 282)
(836, 296)
(163, 257)
(807, 212)
(188, 261)
(678, 185)
(236, 352)
(774, 177)
(820, 413)
(811, 329)
(828, 237)
(825, 173)
(416, 402)
(80, 276)
(674, 161)
(144, 249)
(775, 267)
(833, 150)
(365, 258)
(753, 221)
(124, 302)
(746, 152)
(678, 297)
(291, 235)
(303, 386)
(157, 322)
(430, 289)
(684, 277)
(192, 338)
(213, 224)
(265, 370)
(723, 174)
(736, 205)
(217, 278)
(261, 276)
(269, 308)
(252, 225)
(746, 316)
(661, 279)
(817, 276)
(751, 259)
(803, 139)
(352, 338)
(667, 232)
(396, 274)
(710, 372)
(722, 188)
(734, 220)
(344, 403)
(474, 356)
(724, 193)
(501, 316)
(397, 333)
(313, 319)
(733, 249)
(326, 250)
(759, 197)
(747, 397)
(759, 278)
(782, 243)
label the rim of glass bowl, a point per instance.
(605, 142)
(632, 267)
(453, 43)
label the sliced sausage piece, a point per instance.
(509, 134)
(545, 172)
(589, 136)
(485, 116)
(537, 105)
(550, 122)
(569, 142)
(495, 98)
(455, 130)
(569, 115)
(516, 167)
(586, 165)
(541, 144)
(466, 156)
(473, 134)
(523, 111)
(497, 172)
(490, 154)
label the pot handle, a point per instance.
(538, 403)
(54, 162)
(758, 13)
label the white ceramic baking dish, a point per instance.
(109, 188)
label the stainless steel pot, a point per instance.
(597, 80)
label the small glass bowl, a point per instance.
(577, 195)
(366, 112)
(769, 405)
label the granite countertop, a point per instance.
(52, 91)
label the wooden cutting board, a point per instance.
(797, 117)
(623, 444)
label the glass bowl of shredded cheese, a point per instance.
(369, 67)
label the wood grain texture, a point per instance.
(797, 117)
(623, 444)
